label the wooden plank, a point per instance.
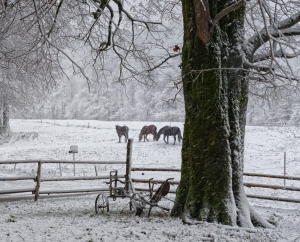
(61, 161)
(74, 190)
(41, 196)
(17, 178)
(289, 188)
(10, 191)
(128, 163)
(272, 176)
(154, 169)
(38, 181)
(85, 162)
(17, 161)
(71, 178)
(280, 199)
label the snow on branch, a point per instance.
(278, 53)
(280, 29)
(163, 61)
(268, 50)
(55, 17)
(121, 8)
(257, 67)
(105, 45)
(129, 37)
(289, 22)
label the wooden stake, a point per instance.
(38, 181)
(128, 164)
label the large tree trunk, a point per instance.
(215, 91)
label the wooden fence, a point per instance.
(276, 187)
(38, 179)
(246, 184)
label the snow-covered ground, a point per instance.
(74, 218)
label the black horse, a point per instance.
(169, 131)
(151, 129)
(122, 130)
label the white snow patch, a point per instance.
(74, 218)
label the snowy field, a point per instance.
(74, 218)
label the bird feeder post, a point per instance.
(73, 150)
(284, 167)
(74, 163)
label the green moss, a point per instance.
(215, 102)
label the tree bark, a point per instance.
(216, 94)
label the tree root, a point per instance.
(258, 220)
(189, 221)
(250, 219)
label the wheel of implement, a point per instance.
(101, 204)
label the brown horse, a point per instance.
(151, 129)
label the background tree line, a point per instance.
(72, 100)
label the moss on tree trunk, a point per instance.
(215, 91)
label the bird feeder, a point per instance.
(73, 150)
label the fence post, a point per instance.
(284, 167)
(38, 181)
(96, 170)
(128, 163)
(60, 169)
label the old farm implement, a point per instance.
(139, 201)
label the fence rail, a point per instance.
(78, 178)
(38, 179)
(280, 199)
(17, 178)
(288, 188)
(63, 162)
(273, 176)
(155, 169)
(268, 186)
(10, 191)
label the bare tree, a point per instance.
(28, 69)
(227, 46)
(113, 33)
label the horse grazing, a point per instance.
(151, 129)
(122, 130)
(169, 131)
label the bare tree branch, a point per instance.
(278, 54)
(225, 12)
(283, 28)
